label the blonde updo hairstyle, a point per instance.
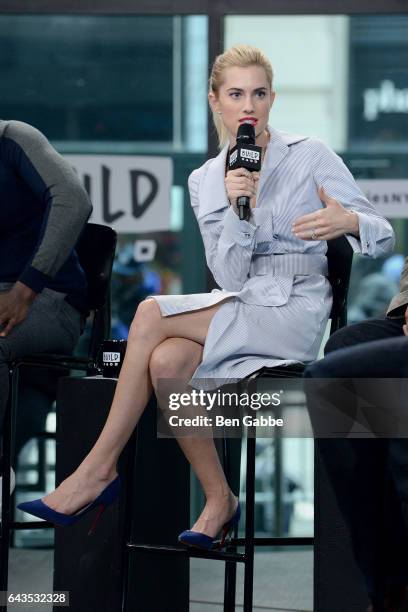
(242, 56)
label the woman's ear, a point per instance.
(273, 94)
(213, 102)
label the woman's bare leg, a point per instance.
(148, 330)
(178, 358)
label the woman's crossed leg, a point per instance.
(158, 348)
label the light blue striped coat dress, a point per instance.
(277, 296)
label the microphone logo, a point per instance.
(250, 155)
(233, 157)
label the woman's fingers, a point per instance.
(240, 186)
(314, 226)
(309, 227)
(319, 234)
(309, 221)
(240, 172)
(241, 182)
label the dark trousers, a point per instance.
(51, 326)
(370, 476)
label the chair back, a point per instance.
(96, 250)
(339, 259)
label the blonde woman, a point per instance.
(274, 300)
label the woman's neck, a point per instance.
(263, 139)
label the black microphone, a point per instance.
(247, 155)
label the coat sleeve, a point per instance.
(376, 234)
(228, 241)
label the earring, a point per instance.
(219, 112)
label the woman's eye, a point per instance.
(261, 94)
(235, 94)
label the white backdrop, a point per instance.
(131, 193)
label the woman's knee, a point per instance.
(175, 358)
(146, 320)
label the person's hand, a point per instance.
(330, 222)
(14, 306)
(241, 182)
(405, 327)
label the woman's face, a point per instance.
(245, 95)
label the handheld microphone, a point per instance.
(247, 155)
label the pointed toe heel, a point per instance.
(195, 539)
(39, 509)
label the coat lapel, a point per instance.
(212, 187)
(276, 152)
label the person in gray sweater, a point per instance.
(43, 208)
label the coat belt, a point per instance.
(288, 264)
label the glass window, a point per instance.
(309, 58)
(378, 84)
(122, 79)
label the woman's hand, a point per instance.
(329, 222)
(241, 182)
(405, 327)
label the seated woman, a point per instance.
(274, 300)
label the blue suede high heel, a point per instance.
(41, 510)
(196, 539)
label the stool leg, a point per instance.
(5, 510)
(380, 566)
(127, 530)
(249, 521)
(42, 464)
(7, 438)
(230, 581)
(230, 576)
(229, 456)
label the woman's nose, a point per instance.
(248, 105)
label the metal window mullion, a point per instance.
(177, 83)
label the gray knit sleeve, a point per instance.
(66, 203)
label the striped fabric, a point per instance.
(277, 299)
